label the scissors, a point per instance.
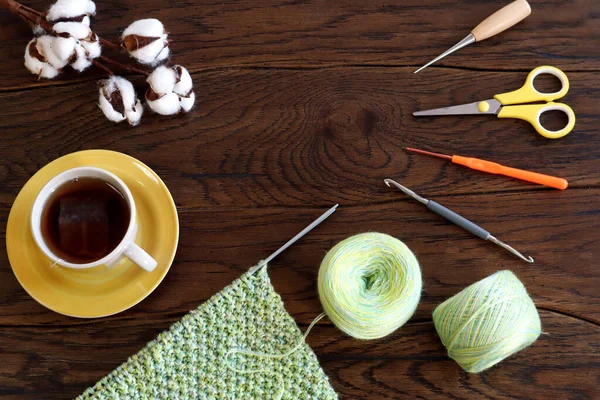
(526, 94)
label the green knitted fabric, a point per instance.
(188, 360)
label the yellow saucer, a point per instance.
(99, 291)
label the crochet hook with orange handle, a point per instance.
(494, 168)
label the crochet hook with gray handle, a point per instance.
(457, 219)
(294, 239)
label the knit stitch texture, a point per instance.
(188, 360)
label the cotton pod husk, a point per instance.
(146, 41)
(37, 63)
(71, 11)
(487, 322)
(170, 90)
(118, 100)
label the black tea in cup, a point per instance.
(84, 220)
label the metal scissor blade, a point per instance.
(464, 109)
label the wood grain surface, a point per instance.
(303, 104)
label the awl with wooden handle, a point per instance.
(498, 22)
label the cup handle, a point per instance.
(136, 254)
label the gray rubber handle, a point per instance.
(457, 219)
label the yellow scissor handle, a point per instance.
(529, 94)
(532, 112)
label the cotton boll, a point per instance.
(47, 46)
(118, 100)
(170, 90)
(135, 115)
(90, 7)
(184, 82)
(146, 41)
(167, 104)
(36, 62)
(92, 47)
(153, 53)
(81, 64)
(149, 27)
(187, 103)
(77, 30)
(81, 61)
(162, 79)
(64, 48)
(71, 10)
(86, 45)
(127, 92)
(108, 110)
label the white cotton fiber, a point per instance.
(187, 103)
(146, 41)
(166, 105)
(162, 80)
(132, 107)
(47, 45)
(93, 48)
(149, 27)
(152, 53)
(64, 9)
(82, 62)
(36, 66)
(135, 114)
(185, 84)
(75, 29)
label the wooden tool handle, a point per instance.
(502, 19)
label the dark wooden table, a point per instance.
(303, 104)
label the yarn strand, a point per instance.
(251, 353)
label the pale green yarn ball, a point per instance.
(487, 322)
(369, 285)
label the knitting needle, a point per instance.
(294, 239)
(457, 219)
(494, 168)
(499, 21)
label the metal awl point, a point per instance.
(469, 39)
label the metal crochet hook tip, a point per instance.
(406, 190)
(510, 248)
(294, 239)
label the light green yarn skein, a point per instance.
(369, 285)
(487, 322)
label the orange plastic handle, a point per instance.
(494, 168)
